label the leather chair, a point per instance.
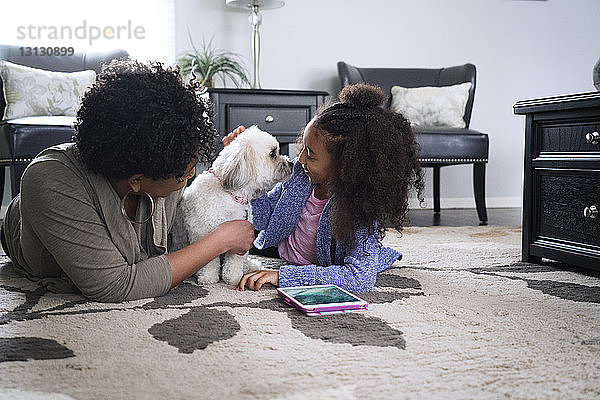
(440, 146)
(21, 139)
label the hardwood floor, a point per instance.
(464, 217)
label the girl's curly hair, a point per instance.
(375, 161)
(141, 118)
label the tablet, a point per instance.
(322, 299)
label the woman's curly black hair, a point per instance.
(141, 118)
(375, 162)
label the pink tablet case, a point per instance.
(324, 310)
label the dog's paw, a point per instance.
(208, 274)
(206, 279)
(251, 265)
(232, 279)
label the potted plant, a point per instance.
(206, 62)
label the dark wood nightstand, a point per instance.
(282, 113)
(561, 192)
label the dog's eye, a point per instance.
(273, 153)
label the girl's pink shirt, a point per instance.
(300, 248)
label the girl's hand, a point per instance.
(255, 280)
(229, 138)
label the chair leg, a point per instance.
(436, 189)
(2, 173)
(479, 191)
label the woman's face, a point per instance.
(314, 157)
(164, 187)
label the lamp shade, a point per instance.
(262, 4)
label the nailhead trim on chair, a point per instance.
(7, 160)
(453, 160)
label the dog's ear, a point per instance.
(240, 170)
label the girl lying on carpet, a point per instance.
(94, 215)
(356, 166)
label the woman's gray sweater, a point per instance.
(66, 231)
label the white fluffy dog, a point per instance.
(244, 170)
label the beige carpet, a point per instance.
(458, 317)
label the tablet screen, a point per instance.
(310, 296)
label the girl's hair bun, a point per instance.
(362, 95)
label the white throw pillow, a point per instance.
(432, 106)
(31, 91)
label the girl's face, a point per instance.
(315, 158)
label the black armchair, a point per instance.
(21, 139)
(440, 146)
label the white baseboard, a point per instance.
(469, 202)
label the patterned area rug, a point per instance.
(458, 317)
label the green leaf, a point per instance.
(207, 62)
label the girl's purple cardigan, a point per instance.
(276, 215)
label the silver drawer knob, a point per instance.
(269, 118)
(593, 137)
(590, 212)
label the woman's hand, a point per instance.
(229, 138)
(238, 234)
(255, 280)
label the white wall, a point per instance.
(87, 26)
(522, 49)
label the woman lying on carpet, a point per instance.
(94, 215)
(356, 167)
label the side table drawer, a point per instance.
(286, 120)
(563, 197)
(282, 113)
(570, 137)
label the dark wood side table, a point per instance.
(561, 192)
(282, 113)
